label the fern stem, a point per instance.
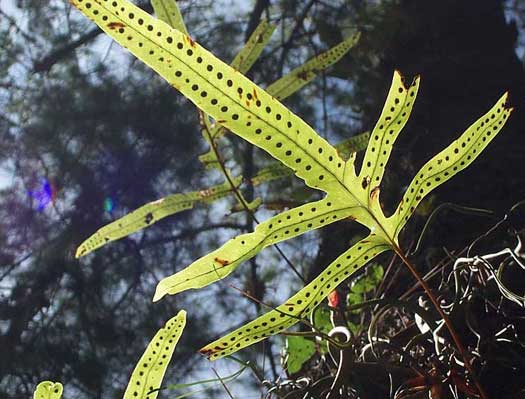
(455, 337)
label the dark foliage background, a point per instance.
(107, 136)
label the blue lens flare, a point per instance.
(43, 194)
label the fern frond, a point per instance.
(237, 104)
(301, 304)
(223, 261)
(253, 47)
(453, 159)
(169, 12)
(151, 213)
(147, 376)
(304, 74)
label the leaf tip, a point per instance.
(205, 351)
(159, 293)
(80, 252)
(505, 100)
(356, 36)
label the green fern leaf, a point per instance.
(278, 170)
(221, 92)
(353, 144)
(456, 157)
(253, 48)
(288, 84)
(221, 262)
(239, 105)
(151, 213)
(169, 12)
(243, 61)
(48, 390)
(301, 304)
(147, 376)
(450, 161)
(304, 74)
(396, 111)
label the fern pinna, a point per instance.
(146, 378)
(240, 106)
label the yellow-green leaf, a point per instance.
(48, 390)
(304, 74)
(237, 104)
(149, 214)
(253, 48)
(290, 83)
(353, 144)
(147, 376)
(169, 12)
(221, 92)
(278, 170)
(301, 304)
(456, 157)
(396, 111)
(223, 261)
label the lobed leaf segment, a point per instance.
(148, 374)
(237, 104)
(48, 390)
(145, 216)
(154, 211)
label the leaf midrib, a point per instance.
(263, 119)
(195, 276)
(385, 133)
(467, 149)
(278, 130)
(304, 304)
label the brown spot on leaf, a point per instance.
(205, 352)
(222, 262)
(148, 218)
(116, 25)
(303, 75)
(375, 192)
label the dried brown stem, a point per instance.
(455, 337)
